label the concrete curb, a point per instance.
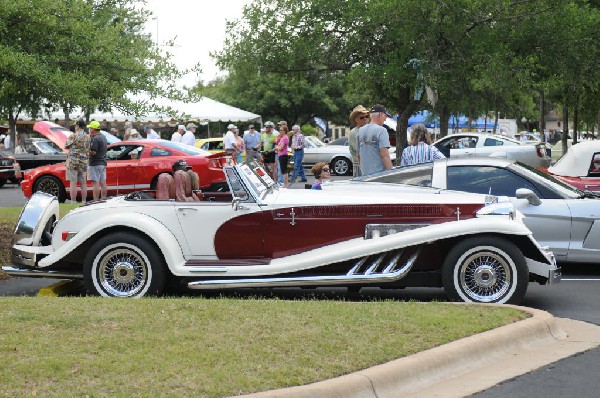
(442, 371)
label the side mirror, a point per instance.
(529, 195)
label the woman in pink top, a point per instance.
(283, 142)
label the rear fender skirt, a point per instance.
(592, 240)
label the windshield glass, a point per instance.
(557, 185)
(316, 142)
(47, 147)
(190, 150)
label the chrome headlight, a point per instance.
(502, 209)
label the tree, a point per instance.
(78, 53)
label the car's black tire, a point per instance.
(2, 182)
(51, 185)
(124, 264)
(341, 166)
(485, 269)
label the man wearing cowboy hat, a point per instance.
(358, 117)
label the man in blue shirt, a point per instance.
(252, 142)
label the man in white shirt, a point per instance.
(189, 138)
(150, 133)
(230, 141)
(176, 137)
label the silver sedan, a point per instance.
(485, 144)
(559, 215)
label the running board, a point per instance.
(368, 270)
(41, 273)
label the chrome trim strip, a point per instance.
(42, 273)
(329, 280)
(209, 269)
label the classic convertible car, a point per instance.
(560, 216)
(258, 235)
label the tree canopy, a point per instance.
(87, 53)
(479, 56)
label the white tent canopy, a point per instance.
(204, 109)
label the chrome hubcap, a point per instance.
(485, 276)
(122, 272)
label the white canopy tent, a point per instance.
(202, 110)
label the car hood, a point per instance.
(58, 134)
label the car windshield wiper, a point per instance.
(589, 194)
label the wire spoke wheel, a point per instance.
(485, 276)
(485, 269)
(124, 264)
(122, 272)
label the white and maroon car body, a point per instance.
(259, 235)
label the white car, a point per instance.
(560, 216)
(337, 156)
(258, 235)
(494, 145)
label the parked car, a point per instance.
(134, 165)
(561, 217)
(39, 152)
(580, 166)
(472, 245)
(213, 145)
(10, 169)
(216, 145)
(494, 145)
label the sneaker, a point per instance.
(303, 180)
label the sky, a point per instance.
(198, 27)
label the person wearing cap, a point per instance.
(188, 137)
(97, 169)
(374, 143)
(176, 136)
(78, 145)
(267, 140)
(298, 147)
(230, 140)
(252, 143)
(358, 117)
(150, 133)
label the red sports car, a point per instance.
(133, 166)
(580, 166)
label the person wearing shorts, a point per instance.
(97, 168)
(78, 144)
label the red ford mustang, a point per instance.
(132, 166)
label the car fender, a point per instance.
(145, 224)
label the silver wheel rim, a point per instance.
(122, 272)
(49, 186)
(485, 276)
(340, 167)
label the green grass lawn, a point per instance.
(205, 347)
